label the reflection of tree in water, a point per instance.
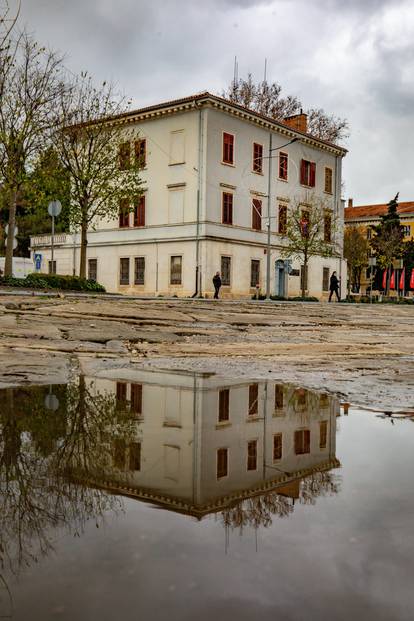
(260, 510)
(43, 457)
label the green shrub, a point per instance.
(53, 281)
(308, 298)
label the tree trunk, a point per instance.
(305, 275)
(83, 248)
(8, 264)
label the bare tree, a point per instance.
(8, 18)
(310, 229)
(356, 249)
(266, 98)
(95, 148)
(30, 86)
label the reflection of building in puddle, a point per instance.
(205, 444)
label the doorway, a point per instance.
(280, 278)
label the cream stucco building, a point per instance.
(209, 184)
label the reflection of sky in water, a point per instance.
(348, 556)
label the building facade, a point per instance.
(215, 175)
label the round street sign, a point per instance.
(51, 402)
(6, 229)
(54, 208)
(15, 244)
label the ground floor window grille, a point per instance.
(176, 271)
(225, 271)
(254, 272)
(92, 269)
(52, 267)
(325, 279)
(139, 271)
(124, 271)
(277, 446)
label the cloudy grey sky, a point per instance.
(354, 58)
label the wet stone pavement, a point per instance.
(139, 492)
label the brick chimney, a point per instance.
(297, 121)
(350, 202)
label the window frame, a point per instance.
(325, 279)
(91, 260)
(140, 152)
(139, 211)
(328, 180)
(282, 223)
(283, 158)
(136, 280)
(256, 262)
(279, 437)
(307, 173)
(229, 162)
(251, 466)
(302, 442)
(323, 434)
(327, 227)
(227, 208)
(226, 474)
(52, 266)
(123, 214)
(225, 282)
(173, 283)
(223, 414)
(124, 155)
(121, 282)
(253, 410)
(257, 161)
(257, 204)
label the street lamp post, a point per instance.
(269, 205)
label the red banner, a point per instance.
(402, 280)
(384, 280)
(392, 281)
(412, 279)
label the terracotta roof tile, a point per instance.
(375, 211)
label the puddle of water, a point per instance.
(179, 495)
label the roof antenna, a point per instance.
(235, 72)
(265, 70)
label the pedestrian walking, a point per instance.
(217, 285)
(334, 287)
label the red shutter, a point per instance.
(312, 174)
(303, 172)
(139, 212)
(228, 148)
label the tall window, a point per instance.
(226, 271)
(283, 166)
(327, 227)
(228, 148)
(323, 433)
(135, 456)
(254, 272)
(279, 397)
(124, 271)
(222, 462)
(136, 398)
(257, 214)
(328, 180)
(124, 155)
(253, 399)
(121, 393)
(252, 455)
(277, 446)
(52, 267)
(139, 211)
(123, 214)
(257, 157)
(119, 450)
(282, 219)
(93, 269)
(176, 270)
(302, 441)
(139, 277)
(307, 173)
(224, 402)
(227, 211)
(141, 152)
(325, 279)
(303, 277)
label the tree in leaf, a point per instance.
(266, 98)
(310, 229)
(30, 88)
(101, 155)
(387, 242)
(356, 250)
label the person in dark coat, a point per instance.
(217, 285)
(334, 287)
